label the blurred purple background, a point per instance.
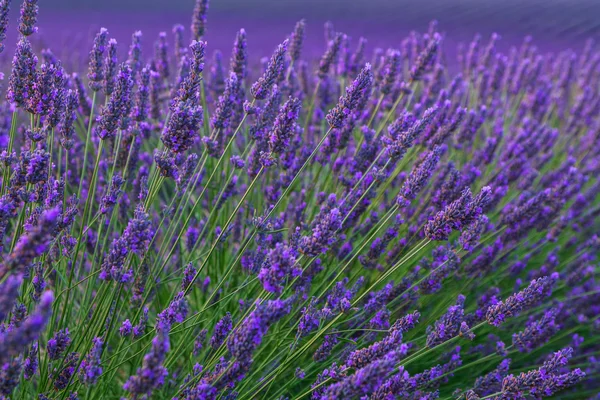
(66, 26)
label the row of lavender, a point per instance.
(361, 227)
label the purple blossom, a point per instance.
(537, 290)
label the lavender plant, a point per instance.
(406, 228)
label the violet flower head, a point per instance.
(222, 115)
(418, 177)
(33, 243)
(96, 64)
(142, 98)
(67, 122)
(391, 72)
(10, 376)
(239, 56)
(151, 375)
(362, 357)
(161, 55)
(110, 67)
(297, 40)
(16, 341)
(180, 48)
(284, 126)
(90, 368)
(364, 381)
(331, 55)
(58, 344)
(324, 233)
(23, 75)
(537, 332)
(537, 290)
(403, 139)
(9, 290)
(117, 111)
(349, 101)
(448, 326)
(279, 265)
(189, 88)
(425, 58)
(134, 58)
(28, 17)
(182, 127)
(198, 27)
(262, 87)
(30, 365)
(222, 329)
(138, 233)
(4, 10)
(248, 336)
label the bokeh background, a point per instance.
(67, 26)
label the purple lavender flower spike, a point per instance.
(33, 243)
(4, 10)
(96, 65)
(134, 58)
(222, 329)
(182, 127)
(297, 40)
(28, 17)
(418, 177)
(58, 344)
(330, 56)
(284, 126)
(9, 291)
(425, 58)
(23, 75)
(222, 114)
(262, 87)
(110, 67)
(348, 102)
(30, 365)
(16, 341)
(537, 290)
(90, 368)
(279, 265)
(151, 375)
(198, 27)
(117, 112)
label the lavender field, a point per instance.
(299, 199)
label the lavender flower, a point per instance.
(198, 27)
(262, 87)
(90, 369)
(182, 127)
(349, 101)
(222, 329)
(4, 10)
(28, 17)
(96, 67)
(23, 75)
(58, 344)
(537, 290)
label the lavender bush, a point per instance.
(381, 226)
